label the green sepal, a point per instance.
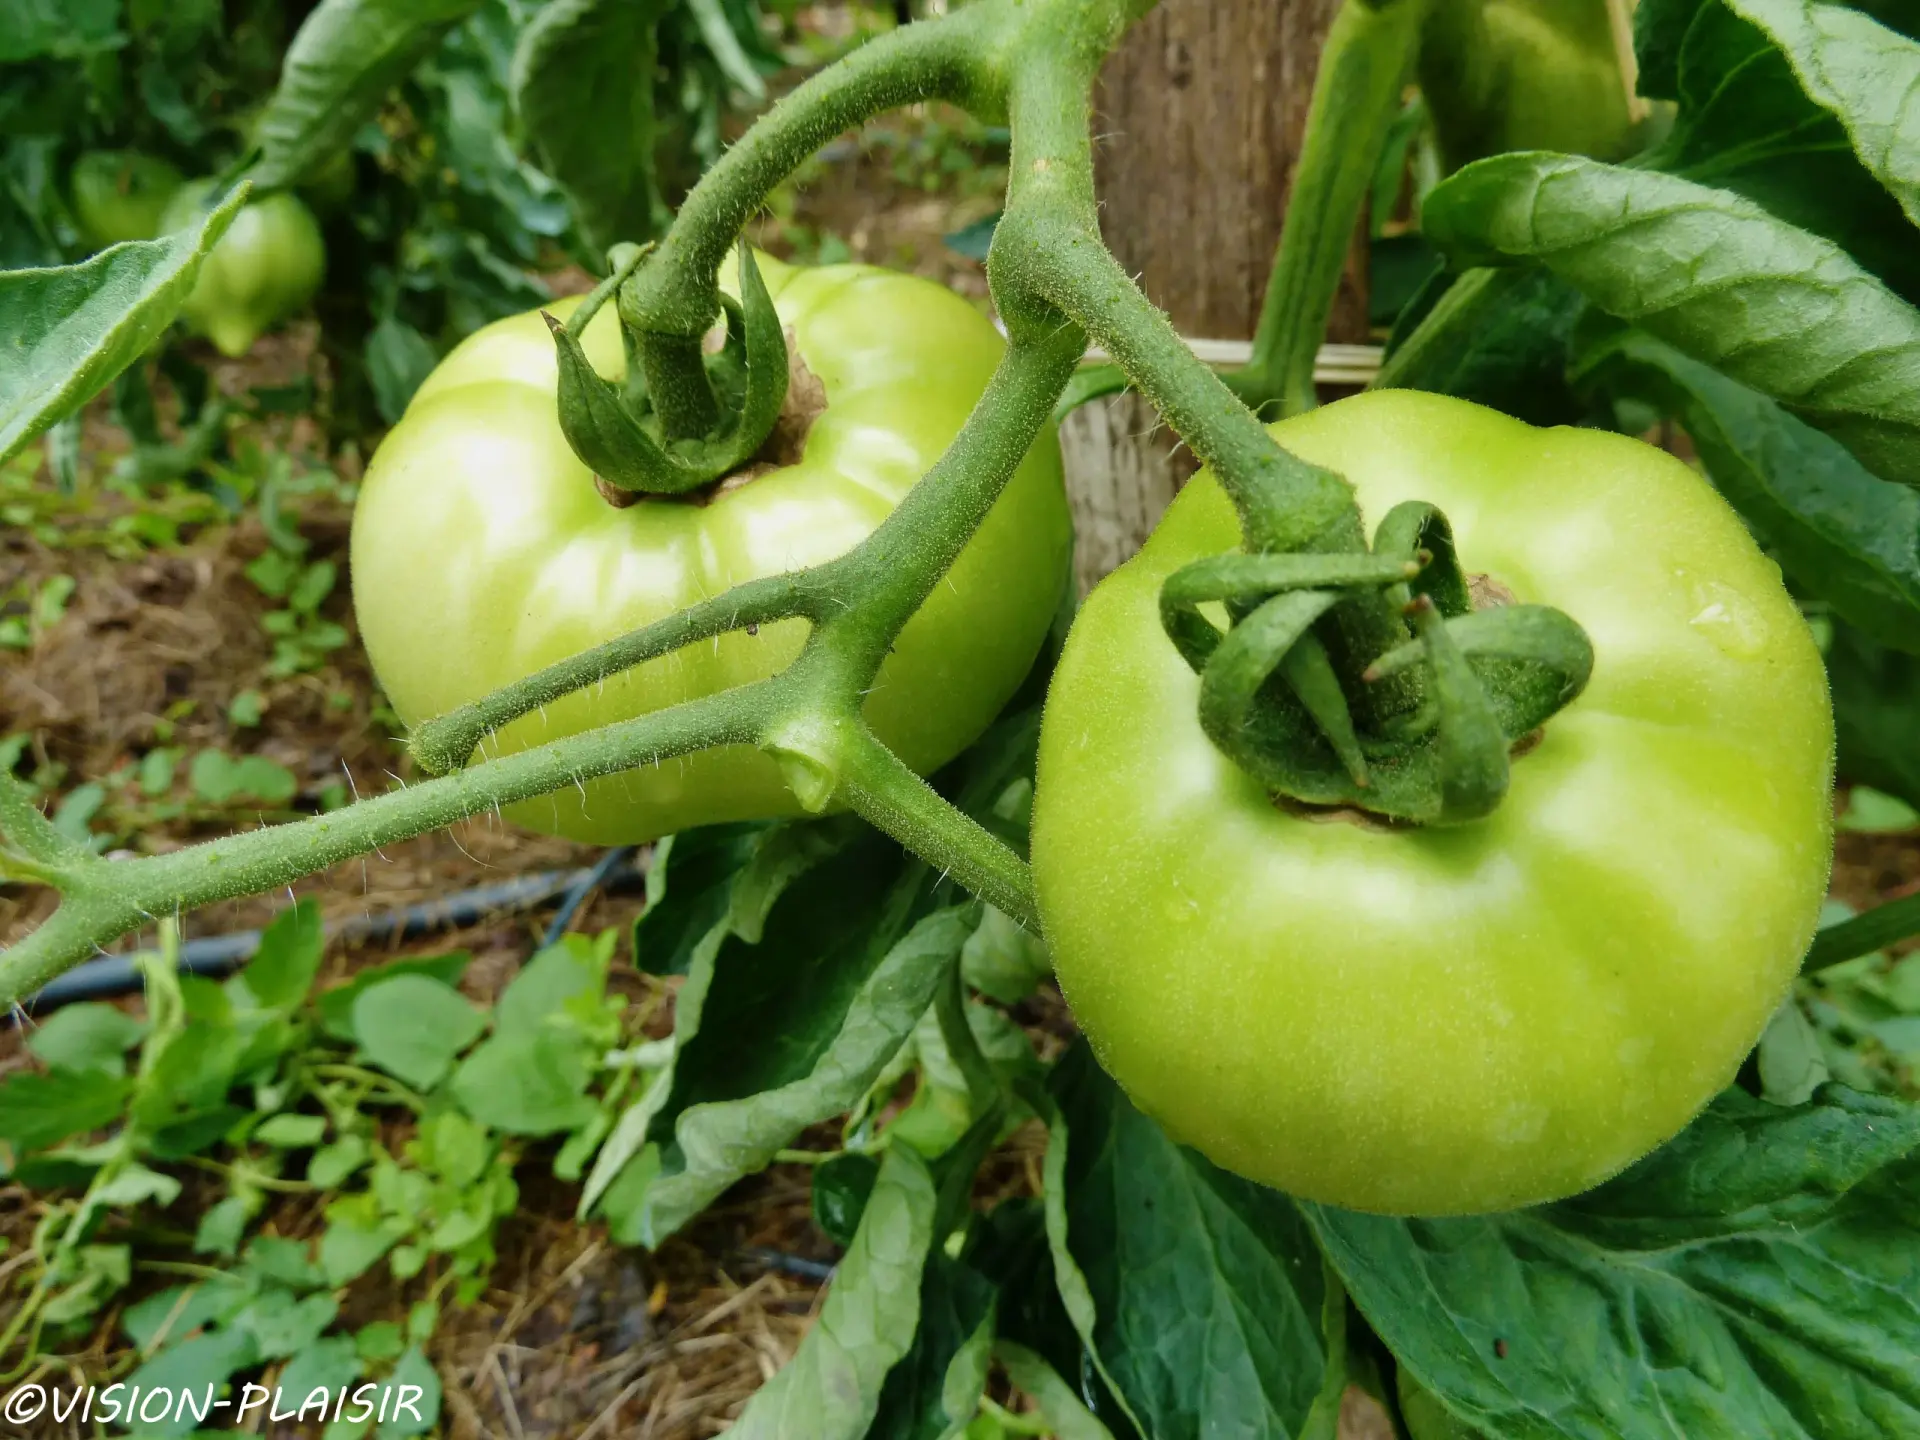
(1465, 688)
(1471, 748)
(609, 426)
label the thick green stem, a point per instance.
(884, 792)
(674, 298)
(1356, 95)
(106, 900)
(445, 744)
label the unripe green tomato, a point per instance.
(120, 195)
(482, 551)
(266, 267)
(1524, 75)
(1441, 1021)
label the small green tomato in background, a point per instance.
(120, 195)
(1447, 1021)
(482, 551)
(266, 267)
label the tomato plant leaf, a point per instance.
(281, 971)
(1866, 74)
(1745, 124)
(580, 88)
(525, 1083)
(1876, 713)
(345, 58)
(831, 1388)
(41, 1110)
(335, 1006)
(1753, 1277)
(89, 1036)
(935, 1389)
(72, 329)
(1496, 337)
(774, 1036)
(1840, 531)
(1781, 310)
(689, 891)
(1143, 1229)
(1659, 30)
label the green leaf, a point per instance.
(935, 1389)
(1003, 961)
(326, 1367)
(345, 58)
(776, 1036)
(379, 1340)
(1774, 307)
(549, 984)
(1753, 1277)
(330, 1165)
(41, 1110)
(526, 1084)
(199, 1365)
(57, 29)
(399, 357)
(179, 1310)
(415, 1388)
(1143, 1229)
(336, 1005)
(1063, 1410)
(831, 1388)
(689, 891)
(1839, 531)
(1496, 337)
(355, 1239)
(840, 1190)
(223, 1226)
(1659, 31)
(1876, 713)
(282, 1261)
(1746, 125)
(717, 30)
(282, 1323)
(454, 1148)
(1866, 74)
(1789, 1057)
(90, 1036)
(134, 1184)
(413, 1027)
(72, 329)
(579, 88)
(292, 1132)
(281, 971)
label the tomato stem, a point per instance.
(1368, 55)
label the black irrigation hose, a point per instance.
(111, 975)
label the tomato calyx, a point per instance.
(1422, 731)
(616, 430)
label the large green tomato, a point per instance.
(120, 195)
(1449, 1021)
(268, 265)
(482, 552)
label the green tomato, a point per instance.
(120, 195)
(266, 267)
(482, 552)
(1525, 75)
(1451, 1021)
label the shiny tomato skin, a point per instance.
(482, 552)
(1449, 1021)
